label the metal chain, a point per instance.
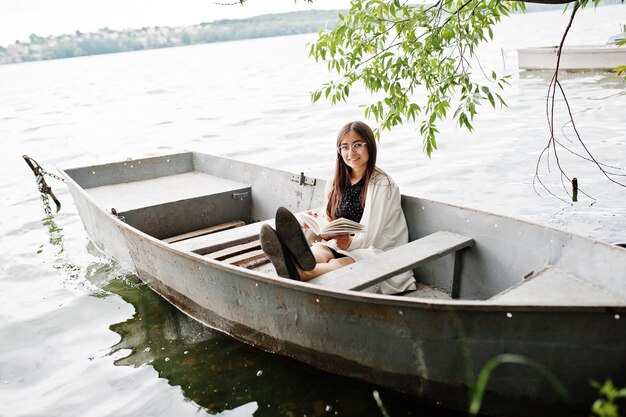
(55, 176)
(46, 204)
(42, 186)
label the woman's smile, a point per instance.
(354, 153)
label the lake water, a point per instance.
(80, 336)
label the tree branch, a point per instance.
(552, 142)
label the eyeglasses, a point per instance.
(357, 147)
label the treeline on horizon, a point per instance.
(106, 41)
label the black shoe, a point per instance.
(278, 253)
(290, 233)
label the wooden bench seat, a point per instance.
(205, 231)
(367, 272)
(240, 246)
(213, 242)
(218, 237)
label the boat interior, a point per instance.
(214, 207)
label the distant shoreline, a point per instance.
(107, 41)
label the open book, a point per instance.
(322, 227)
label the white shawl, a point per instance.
(385, 229)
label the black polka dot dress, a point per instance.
(351, 206)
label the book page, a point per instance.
(322, 227)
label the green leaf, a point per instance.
(413, 58)
(620, 70)
(506, 358)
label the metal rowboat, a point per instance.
(187, 224)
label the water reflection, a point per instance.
(60, 259)
(218, 373)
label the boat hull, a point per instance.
(604, 57)
(431, 349)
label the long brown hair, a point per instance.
(342, 171)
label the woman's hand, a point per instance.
(343, 241)
(310, 213)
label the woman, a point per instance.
(359, 191)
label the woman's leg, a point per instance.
(322, 253)
(324, 267)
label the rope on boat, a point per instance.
(44, 189)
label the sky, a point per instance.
(20, 18)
